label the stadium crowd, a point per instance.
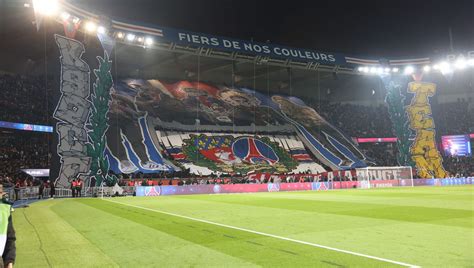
(358, 120)
(23, 149)
(24, 99)
(455, 118)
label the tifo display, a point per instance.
(129, 144)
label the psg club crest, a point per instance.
(242, 154)
(216, 189)
(254, 151)
(153, 191)
(273, 187)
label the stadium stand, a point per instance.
(25, 99)
(22, 149)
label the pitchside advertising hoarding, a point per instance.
(231, 188)
(379, 173)
(286, 187)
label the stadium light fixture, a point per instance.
(364, 69)
(140, 39)
(101, 29)
(130, 37)
(460, 64)
(445, 68)
(120, 35)
(395, 70)
(436, 67)
(409, 70)
(379, 70)
(387, 70)
(360, 69)
(373, 70)
(148, 41)
(426, 68)
(46, 7)
(91, 27)
(65, 16)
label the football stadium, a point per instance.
(130, 142)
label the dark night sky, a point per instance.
(368, 28)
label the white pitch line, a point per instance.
(270, 235)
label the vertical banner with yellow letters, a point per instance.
(424, 151)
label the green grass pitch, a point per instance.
(423, 226)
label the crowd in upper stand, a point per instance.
(455, 118)
(358, 120)
(26, 100)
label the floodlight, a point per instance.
(409, 70)
(65, 16)
(120, 35)
(90, 27)
(426, 68)
(445, 68)
(395, 70)
(101, 29)
(46, 7)
(148, 41)
(130, 37)
(460, 63)
(140, 39)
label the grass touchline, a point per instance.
(266, 234)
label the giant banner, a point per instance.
(423, 150)
(72, 112)
(248, 47)
(110, 127)
(82, 116)
(160, 125)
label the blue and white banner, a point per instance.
(263, 49)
